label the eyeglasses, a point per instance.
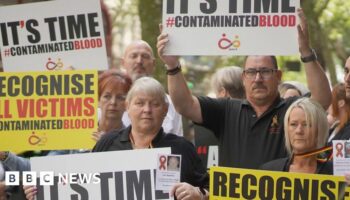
(265, 73)
(119, 98)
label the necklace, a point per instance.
(150, 146)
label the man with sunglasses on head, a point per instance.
(250, 131)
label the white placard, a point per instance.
(53, 35)
(123, 175)
(168, 171)
(341, 157)
(231, 27)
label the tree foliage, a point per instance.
(150, 12)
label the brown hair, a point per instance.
(113, 77)
(338, 93)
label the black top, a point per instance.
(192, 170)
(283, 164)
(343, 134)
(246, 141)
(207, 146)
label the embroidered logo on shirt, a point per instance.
(274, 125)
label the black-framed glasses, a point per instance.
(265, 73)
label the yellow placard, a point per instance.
(235, 183)
(48, 110)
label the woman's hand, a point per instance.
(185, 191)
(2, 191)
(97, 135)
(30, 191)
(347, 178)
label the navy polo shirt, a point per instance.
(245, 140)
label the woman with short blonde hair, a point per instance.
(305, 130)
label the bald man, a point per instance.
(139, 61)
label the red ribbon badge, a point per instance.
(339, 148)
(162, 161)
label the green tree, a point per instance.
(329, 26)
(150, 12)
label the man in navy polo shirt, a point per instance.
(250, 131)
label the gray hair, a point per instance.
(229, 78)
(283, 87)
(149, 86)
(316, 118)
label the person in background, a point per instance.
(113, 87)
(347, 78)
(339, 115)
(138, 61)
(227, 82)
(301, 87)
(287, 90)
(146, 104)
(344, 132)
(250, 131)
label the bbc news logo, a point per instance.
(48, 177)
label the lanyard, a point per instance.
(317, 151)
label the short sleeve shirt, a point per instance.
(246, 141)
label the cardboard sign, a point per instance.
(235, 183)
(48, 110)
(52, 35)
(231, 27)
(123, 175)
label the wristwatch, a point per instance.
(173, 71)
(310, 58)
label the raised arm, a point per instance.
(316, 78)
(185, 104)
